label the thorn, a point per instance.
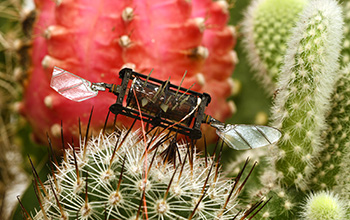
(153, 158)
(205, 151)
(53, 172)
(238, 177)
(160, 142)
(200, 200)
(86, 189)
(251, 209)
(149, 142)
(218, 162)
(115, 123)
(39, 197)
(51, 152)
(63, 215)
(63, 146)
(245, 180)
(140, 205)
(105, 125)
(189, 156)
(36, 175)
(76, 164)
(117, 146)
(121, 174)
(80, 134)
(237, 215)
(182, 167)
(169, 153)
(171, 180)
(87, 133)
(24, 211)
(206, 180)
(260, 208)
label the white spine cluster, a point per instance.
(117, 188)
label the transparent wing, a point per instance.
(242, 137)
(71, 86)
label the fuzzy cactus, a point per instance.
(106, 179)
(267, 28)
(336, 139)
(95, 39)
(333, 172)
(308, 76)
(323, 206)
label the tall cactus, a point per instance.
(266, 29)
(305, 86)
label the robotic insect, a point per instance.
(163, 104)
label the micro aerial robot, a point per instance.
(165, 105)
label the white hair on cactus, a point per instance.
(312, 58)
(323, 205)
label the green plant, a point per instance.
(323, 206)
(267, 29)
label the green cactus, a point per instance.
(266, 29)
(337, 141)
(306, 84)
(109, 182)
(334, 168)
(323, 206)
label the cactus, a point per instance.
(323, 206)
(106, 179)
(334, 168)
(306, 84)
(267, 28)
(337, 142)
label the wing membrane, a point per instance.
(71, 86)
(242, 137)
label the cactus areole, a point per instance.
(96, 39)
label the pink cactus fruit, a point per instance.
(95, 39)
